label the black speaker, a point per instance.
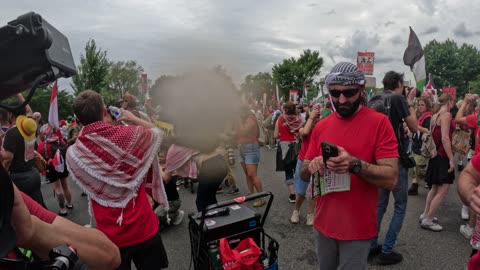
(30, 47)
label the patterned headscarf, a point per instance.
(346, 74)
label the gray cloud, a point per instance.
(461, 31)
(395, 40)
(312, 4)
(331, 12)
(430, 30)
(388, 23)
(359, 41)
(385, 59)
(427, 6)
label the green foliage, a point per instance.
(256, 85)
(93, 71)
(124, 77)
(451, 65)
(293, 73)
(41, 102)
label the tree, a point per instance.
(93, 71)
(451, 65)
(256, 85)
(124, 77)
(294, 73)
(41, 102)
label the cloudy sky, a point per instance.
(249, 36)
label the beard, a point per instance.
(347, 109)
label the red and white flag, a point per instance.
(53, 110)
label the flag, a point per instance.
(305, 91)
(53, 110)
(276, 90)
(430, 89)
(414, 58)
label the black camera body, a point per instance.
(30, 47)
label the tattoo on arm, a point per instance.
(384, 174)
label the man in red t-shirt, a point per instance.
(346, 221)
(115, 165)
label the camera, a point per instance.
(33, 53)
(407, 90)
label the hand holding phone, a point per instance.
(328, 150)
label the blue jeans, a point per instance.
(400, 194)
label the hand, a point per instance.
(340, 164)
(452, 165)
(313, 113)
(475, 200)
(316, 165)
(411, 95)
(126, 116)
(470, 99)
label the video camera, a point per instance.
(33, 53)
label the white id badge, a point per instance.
(29, 150)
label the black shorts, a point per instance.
(148, 255)
(52, 175)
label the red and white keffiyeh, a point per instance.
(111, 162)
(179, 159)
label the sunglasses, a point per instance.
(348, 93)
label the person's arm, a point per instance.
(468, 180)
(7, 158)
(276, 132)
(28, 109)
(411, 119)
(129, 117)
(304, 131)
(383, 174)
(460, 118)
(445, 122)
(426, 126)
(166, 177)
(93, 247)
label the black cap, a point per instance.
(7, 233)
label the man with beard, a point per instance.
(345, 220)
(401, 111)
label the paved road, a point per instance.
(421, 249)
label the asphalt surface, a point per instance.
(421, 249)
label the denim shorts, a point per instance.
(250, 153)
(299, 186)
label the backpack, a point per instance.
(429, 149)
(262, 138)
(57, 155)
(381, 103)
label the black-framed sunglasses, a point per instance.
(348, 93)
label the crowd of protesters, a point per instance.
(129, 168)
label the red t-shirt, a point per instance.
(369, 136)
(139, 221)
(472, 124)
(37, 210)
(284, 134)
(304, 148)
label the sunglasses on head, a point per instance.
(346, 93)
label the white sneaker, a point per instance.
(295, 217)
(465, 212)
(310, 218)
(467, 231)
(420, 219)
(431, 226)
(179, 218)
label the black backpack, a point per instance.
(381, 103)
(56, 145)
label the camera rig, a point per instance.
(33, 53)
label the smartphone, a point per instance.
(328, 150)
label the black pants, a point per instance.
(212, 174)
(148, 255)
(30, 183)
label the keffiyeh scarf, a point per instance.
(347, 74)
(110, 163)
(179, 159)
(292, 122)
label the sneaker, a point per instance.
(310, 219)
(375, 251)
(180, 182)
(69, 206)
(83, 194)
(420, 219)
(426, 185)
(432, 226)
(465, 212)
(220, 190)
(466, 230)
(233, 191)
(295, 217)
(179, 218)
(390, 258)
(259, 202)
(63, 213)
(292, 198)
